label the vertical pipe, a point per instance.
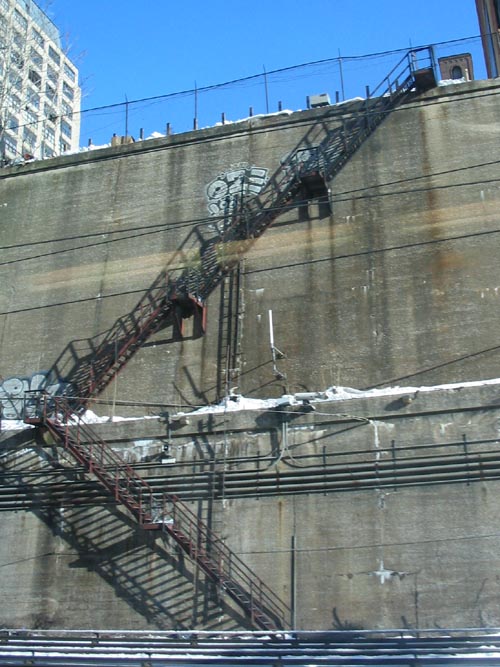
(271, 333)
(394, 469)
(293, 583)
(464, 440)
(271, 339)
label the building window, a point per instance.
(18, 40)
(37, 38)
(30, 116)
(50, 113)
(10, 144)
(29, 138)
(36, 58)
(16, 59)
(66, 110)
(64, 146)
(52, 75)
(15, 81)
(35, 77)
(54, 55)
(20, 20)
(4, 4)
(47, 151)
(69, 72)
(14, 103)
(49, 134)
(33, 98)
(13, 123)
(66, 129)
(68, 91)
(456, 72)
(51, 93)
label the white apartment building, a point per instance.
(39, 92)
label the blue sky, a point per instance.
(133, 50)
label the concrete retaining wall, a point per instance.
(397, 285)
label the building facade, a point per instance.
(39, 91)
(489, 23)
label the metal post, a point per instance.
(341, 77)
(126, 116)
(432, 53)
(266, 89)
(195, 121)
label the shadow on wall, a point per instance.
(202, 260)
(164, 588)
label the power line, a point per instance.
(147, 149)
(272, 268)
(253, 77)
(336, 197)
(213, 219)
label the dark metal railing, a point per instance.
(159, 511)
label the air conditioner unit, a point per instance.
(315, 101)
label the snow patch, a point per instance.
(90, 417)
(236, 402)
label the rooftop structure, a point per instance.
(39, 92)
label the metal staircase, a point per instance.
(304, 174)
(173, 298)
(161, 512)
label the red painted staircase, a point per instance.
(162, 512)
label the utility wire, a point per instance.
(336, 197)
(253, 77)
(334, 258)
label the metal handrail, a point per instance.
(326, 150)
(165, 512)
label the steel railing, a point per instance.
(159, 511)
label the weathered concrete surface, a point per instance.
(386, 289)
(397, 286)
(398, 554)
